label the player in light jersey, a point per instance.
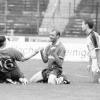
(93, 48)
(53, 55)
(9, 70)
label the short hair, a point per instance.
(57, 32)
(90, 22)
(2, 40)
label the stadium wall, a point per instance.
(57, 15)
(76, 50)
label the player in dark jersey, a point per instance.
(54, 55)
(9, 70)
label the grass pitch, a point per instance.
(81, 87)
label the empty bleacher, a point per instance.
(23, 12)
(86, 8)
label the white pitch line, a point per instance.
(78, 75)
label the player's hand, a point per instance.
(53, 48)
(36, 51)
(89, 68)
(41, 49)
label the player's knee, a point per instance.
(37, 77)
(52, 79)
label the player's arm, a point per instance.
(18, 56)
(97, 39)
(44, 56)
(90, 61)
(89, 64)
(59, 59)
(29, 57)
(89, 55)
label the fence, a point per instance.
(37, 17)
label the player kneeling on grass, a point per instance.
(53, 55)
(93, 48)
(9, 70)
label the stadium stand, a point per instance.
(22, 15)
(57, 14)
(85, 8)
(73, 28)
(27, 16)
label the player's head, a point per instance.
(2, 41)
(87, 23)
(54, 35)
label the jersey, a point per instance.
(90, 45)
(59, 49)
(8, 58)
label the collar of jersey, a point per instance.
(91, 32)
(57, 43)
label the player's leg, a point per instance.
(37, 77)
(17, 76)
(96, 77)
(2, 77)
(53, 75)
(8, 78)
(41, 76)
(62, 79)
(95, 70)
(21, 78)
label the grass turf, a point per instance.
(81, 87)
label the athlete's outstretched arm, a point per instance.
(29, 57)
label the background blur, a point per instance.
(39, 17)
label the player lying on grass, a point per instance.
(53, 55)
(9, 70)
(93, 48)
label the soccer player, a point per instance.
(9, 70)
(53, 55)
(93, 48)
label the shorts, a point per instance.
(14, 74)
(46, 72)
(2, 77)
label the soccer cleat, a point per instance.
(24, 81)
(10, 81)
(66, 82)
